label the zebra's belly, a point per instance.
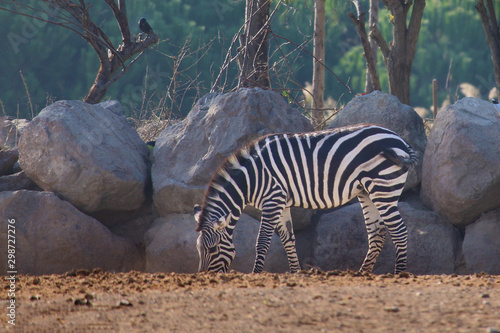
(326, 201)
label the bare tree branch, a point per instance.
(492, 32)
(227, 61)
(359, 23)
(75, 16)
(316, 59)
(64, 22)
(379, 39)
(414, 28)
(373, 21)
(124, 70)
(398, 57)
(398, 19)
(120, 13)
(493, 19)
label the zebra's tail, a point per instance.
(403, 161)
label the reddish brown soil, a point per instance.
(97, 301)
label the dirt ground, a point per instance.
(310, 301)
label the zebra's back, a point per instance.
(328, 168)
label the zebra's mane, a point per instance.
(227, 167)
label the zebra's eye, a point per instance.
(212, 249)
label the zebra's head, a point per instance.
(215, 242)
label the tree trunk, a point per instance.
(253, 62)
(492, 32)
(111, 63)
(370, 56)
(76, 16)
(113, 59)
(371, 83)
(399, 72)
(398, 57)
(100, 86)
(318, 68)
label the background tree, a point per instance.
(492, 32)
(76, 17)
(450, 49)
(398, 55)
(319, 67)
(253, 58)
(369, 51)
(56, 65)
(372, 83)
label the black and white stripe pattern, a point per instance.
(315, 170)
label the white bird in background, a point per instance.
(495, 104)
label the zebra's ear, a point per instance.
(197, 212)
(221, 223)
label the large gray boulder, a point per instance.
(481, 246)
(341, 241)
(188, 153)
(461, 169)
(88, 155)
(171, 246)
(386, 110)
(52, 236)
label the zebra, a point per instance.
(315, 170)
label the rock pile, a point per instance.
(88, 159)
(84, 194)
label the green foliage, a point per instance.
(451, 32)
(57, 64)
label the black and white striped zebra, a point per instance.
(315, 170)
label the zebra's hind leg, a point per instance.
(287, 236)
(397, 230)
(375, 229)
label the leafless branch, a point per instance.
(492, 33)
(75, 16)
(379, 39)
(316, 59)
(359, 23)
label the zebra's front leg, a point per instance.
(271, 214)
(264, 238)
(375, 230)
(287, 236)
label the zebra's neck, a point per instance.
(231, 188)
